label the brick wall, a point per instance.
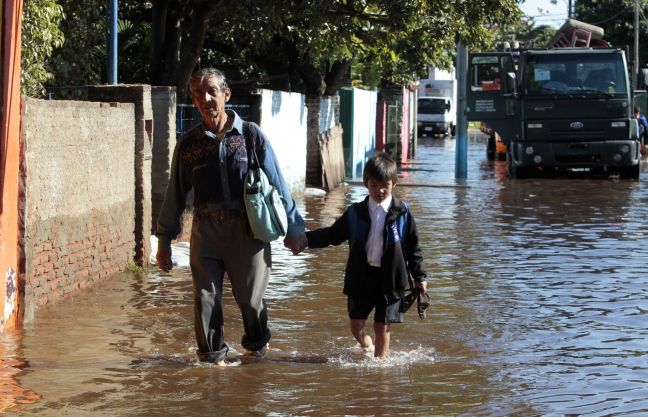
(78, 184)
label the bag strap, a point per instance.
(250, 145)
(402, 223)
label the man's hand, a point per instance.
(296, 244)
(422, 285)
(163, 257)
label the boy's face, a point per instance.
(380, 190)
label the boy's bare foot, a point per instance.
(366, 343)
(220, 363)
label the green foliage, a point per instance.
(81, 60)
(40, 35)
(284, 44)
(616, 17)
(133, 44)
(526, 33)
(387, 40)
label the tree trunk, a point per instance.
(337, 77)
(191, 50)
(158, 35)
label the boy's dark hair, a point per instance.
(381, 166)
(636, 109)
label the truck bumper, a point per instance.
(565, 155)
(432, 128)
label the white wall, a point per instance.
(364, 129)
(283, 120)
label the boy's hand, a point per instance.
(422, 285)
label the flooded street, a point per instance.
(539, 307)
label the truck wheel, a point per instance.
(513, 170)
(490, 148)
(631, 173)
(510, 169)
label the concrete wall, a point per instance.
(78, 184)
(163, 101)
(283, 120)
(140, 95)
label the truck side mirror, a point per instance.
(511, 85)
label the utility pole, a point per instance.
(461, 140)
(112, 42)
(569, 9)
(635, 66)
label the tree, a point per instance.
(310, 46)
(526, 33)
(616, 17)
(40, 35)
(307, 47)
(81, 59)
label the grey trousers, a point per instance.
(220, 246)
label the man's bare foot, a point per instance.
(257, 353)
(220, 363)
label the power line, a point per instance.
(613, 16)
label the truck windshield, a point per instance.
(578, 73)
(431, 105)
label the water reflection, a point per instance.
(13, 395)
(539, 304)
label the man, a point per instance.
(212, 160)
(643, 127)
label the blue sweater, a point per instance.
(216, 173)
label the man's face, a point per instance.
(209, 98)
(380, 190)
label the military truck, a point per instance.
(560, 109)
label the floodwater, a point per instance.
(539, 307)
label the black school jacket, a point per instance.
(400, 249)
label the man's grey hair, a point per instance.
(210, 72)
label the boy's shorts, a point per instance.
(360, 307)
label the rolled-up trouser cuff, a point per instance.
(257, 344)
(213, 357)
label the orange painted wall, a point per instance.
(10, 153)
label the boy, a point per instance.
(383, 246)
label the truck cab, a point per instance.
(434, 116)
(558, 109)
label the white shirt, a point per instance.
(377, 214)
